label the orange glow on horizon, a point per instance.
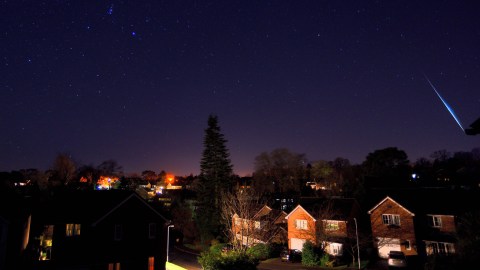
(106, 182)
(170, 178)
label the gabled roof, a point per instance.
(433, 201)
(328, 208)
(87, 207)
(392, 200)
(299, 207)
(133, 196)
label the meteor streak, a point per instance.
(446, 104)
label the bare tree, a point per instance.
(64, 168)
(247, 220)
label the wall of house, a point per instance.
(293, 232)
(448, 224)
(341, 232)
(403, 232)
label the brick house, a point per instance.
(325, 222)
(392, 228)
(417, 227)
(107, 230)
(263, 225)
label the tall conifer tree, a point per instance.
(216, 177)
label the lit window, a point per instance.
(152, 230)
(118, 232)
(391, 219)
(408, 246)
(72, 229)
(331, 225)
(440, 248)
(46, 243)
(301, 224)
(435, 221)
(151, 263)
(114, 266)
(257, 225)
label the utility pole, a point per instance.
(358, 248)
(168, 238)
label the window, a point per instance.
(151, 263)
(435, 221)
(440, 248)
(336, 249)
(72, 229)
(118, 234)
(152, 230)
(46, 243)
(390, 219)
(408, 245)
(331, 225)
(257, 225)
(301, 224)
(114, 266)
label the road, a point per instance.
(184, 259)
(189, 261)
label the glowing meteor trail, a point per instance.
(446, 104)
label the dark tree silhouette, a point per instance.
(216, 177)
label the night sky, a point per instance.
(135, 81)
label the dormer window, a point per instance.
(435, 221)
(390, 219)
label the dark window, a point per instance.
(118, 232)
(152, 230)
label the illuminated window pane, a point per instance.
(77, 229)
(69, 230)
(151, 263)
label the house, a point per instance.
(426, 226)
(326, 222)
(108, 230)
(15, 217)
(263, 225)
(393, 228)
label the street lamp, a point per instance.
(168, 238)
(358, 249)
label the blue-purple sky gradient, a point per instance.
(135, 81)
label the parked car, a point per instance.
(293, 255)
(397, 259)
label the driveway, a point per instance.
(277, 264)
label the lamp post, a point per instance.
(168, 238)
(358, 249)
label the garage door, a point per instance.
(297, 243)
(385, 245)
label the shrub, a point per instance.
(310, 254)
(217, 248)
(259, 251)
(209, 260)
(325, 260)
(230, 261)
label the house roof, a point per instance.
(392, 200)
(424, 201)
(86, 206)
(331, 208)
(299, 207)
